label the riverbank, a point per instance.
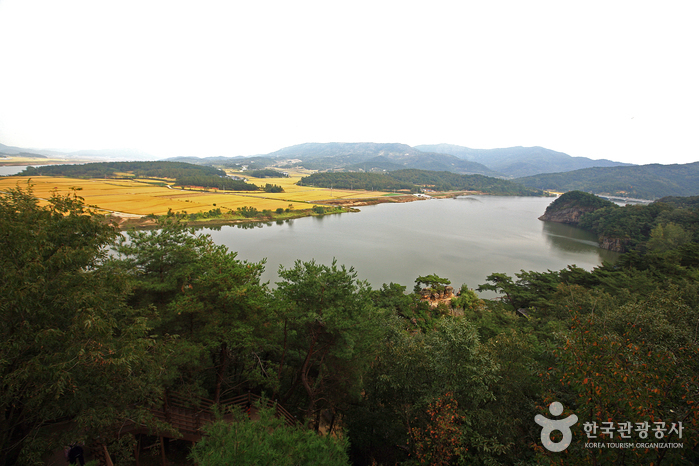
(334, 206)
(151, 221)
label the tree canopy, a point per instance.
(97, 327)
(414, 180)
(70, 346)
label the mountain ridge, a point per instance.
(651, 181)
(374, 157)
(519, 161)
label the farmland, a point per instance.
(130, 197)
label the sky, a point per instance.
(598, 79)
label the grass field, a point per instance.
(139, 197)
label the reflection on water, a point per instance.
(252, 226)
(569, 238)
(463, 239)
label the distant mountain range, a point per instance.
(375, 157)
(521, 161)
(534, 167)
(639, 181)
(102, 154)
(509, 162)
(547, 169)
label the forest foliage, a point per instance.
(184, 174)
(217, 182)
(266, 173)
(118, 169)
(415, 180)
(659, 226)
(376, 376)
(578, 200)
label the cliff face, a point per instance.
(569, 215)
(569, 207)
(435, 297)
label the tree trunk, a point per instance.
(281, 363)
(222, 365)
(304, 378)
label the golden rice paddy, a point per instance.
(138, 197)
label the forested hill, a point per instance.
(415, 180)
(112, 169)
(184, 174)
(642, 182)
(569, 207)
(520, 161)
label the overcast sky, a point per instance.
(598, 79)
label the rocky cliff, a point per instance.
(435, 296)
(566, 215)
(569, 207)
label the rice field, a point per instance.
(139, 197)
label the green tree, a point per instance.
(668, 237)
(433, 282)
(413, 312)
(531, 289)
(248, 212)
(331, 323)
(266, 441)
(210, 300)
(501, 283)
(410, 374)
(70, 348)
(160, 261)
(467, 299)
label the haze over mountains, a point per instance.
(521, 161)
(377, 157)
(98, 154)
(534, 167)
(509, 162)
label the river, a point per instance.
(463, 239)
(10, 170)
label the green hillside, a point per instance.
(642, 182)
(111, 169)
(415, 180)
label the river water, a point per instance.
(10, 170)
(463, 239)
